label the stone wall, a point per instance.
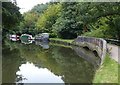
(94, 44)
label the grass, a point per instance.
(62, 40)
(108, 71)
(55, 44)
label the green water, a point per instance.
(57, 64)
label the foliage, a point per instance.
(40, 8)
(70, 19)
(11, 17)
(28, 24)
(31, 18)
(102, 16)
(53, 35)
(95, 33)
(48, 18)
(10, 12)
(67, 25)
(79, 18)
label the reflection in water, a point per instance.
(37, 75)
(43, 44)
(10, 65)
(88, 55)
(32, 64)
(27, 41)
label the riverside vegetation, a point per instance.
(67, 20)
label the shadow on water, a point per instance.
(75, 65)
(90, 56)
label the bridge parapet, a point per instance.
(94, 44)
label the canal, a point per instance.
(43, 62)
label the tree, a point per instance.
(31, 18)
(11, 17)
(28, 24)
(40, 8)
(67, 25)
(48, 18)
(101, 17)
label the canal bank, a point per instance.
(97, 45)
(108, 71)
(112, 49)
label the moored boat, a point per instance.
(14, 37)
(26, 38)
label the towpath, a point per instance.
(114, 52)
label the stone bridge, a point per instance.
(98, 45)
(88, 55)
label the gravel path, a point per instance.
(114, 52)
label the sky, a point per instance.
(26, 5)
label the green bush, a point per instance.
(53, 35)
(96, 33)
(106, 33)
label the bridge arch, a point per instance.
(95, 44)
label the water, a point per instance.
(47, 63)
(37, 75)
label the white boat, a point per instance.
(14, 37)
